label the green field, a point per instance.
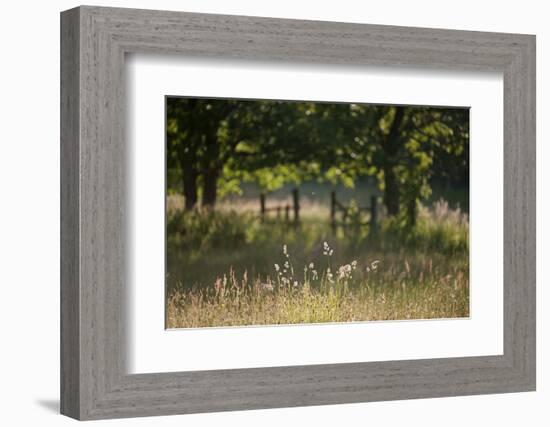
(227, 267)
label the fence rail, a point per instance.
(337, 208)
(279, 209)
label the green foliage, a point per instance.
(428, 236)
(200, 231)
(215, 145)
(202, 244)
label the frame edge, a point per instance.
(70, 389)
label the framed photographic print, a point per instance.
(262, 213)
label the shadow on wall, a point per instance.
(51, 405)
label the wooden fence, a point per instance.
(340, 213)
(279, 209)
(345, 211)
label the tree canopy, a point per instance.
(214, 145)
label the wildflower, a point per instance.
(285, 251)
(344, 272)
(287, 265)
(295, 283)
(277, 267)
(354, 264)
(311, 266)
(373, 266)
(267, 287)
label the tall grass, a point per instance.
(228, 268)
(344, 294)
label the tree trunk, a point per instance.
(210, 189)
(190, 187)
(211, 168)
(391, 190)
(391, 147)
(411, 212)
(190, 174)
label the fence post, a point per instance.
(296, 205)
(287, 213)
(262, 206)
(374, 213)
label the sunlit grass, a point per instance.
(234, 302)
(354, 291)
(228, 268)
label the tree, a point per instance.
(194, 147)
(182, 145)
(214, 145)
(214, 140)
(398, 145)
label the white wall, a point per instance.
(29, 212)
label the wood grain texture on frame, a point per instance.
(94, 381)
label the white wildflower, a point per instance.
(267, 286)
(373, 266)
(344, 272)
(277, 268)
(311, 265)
(329, 276)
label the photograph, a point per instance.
(297, 212)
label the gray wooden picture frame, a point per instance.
(94, 382)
